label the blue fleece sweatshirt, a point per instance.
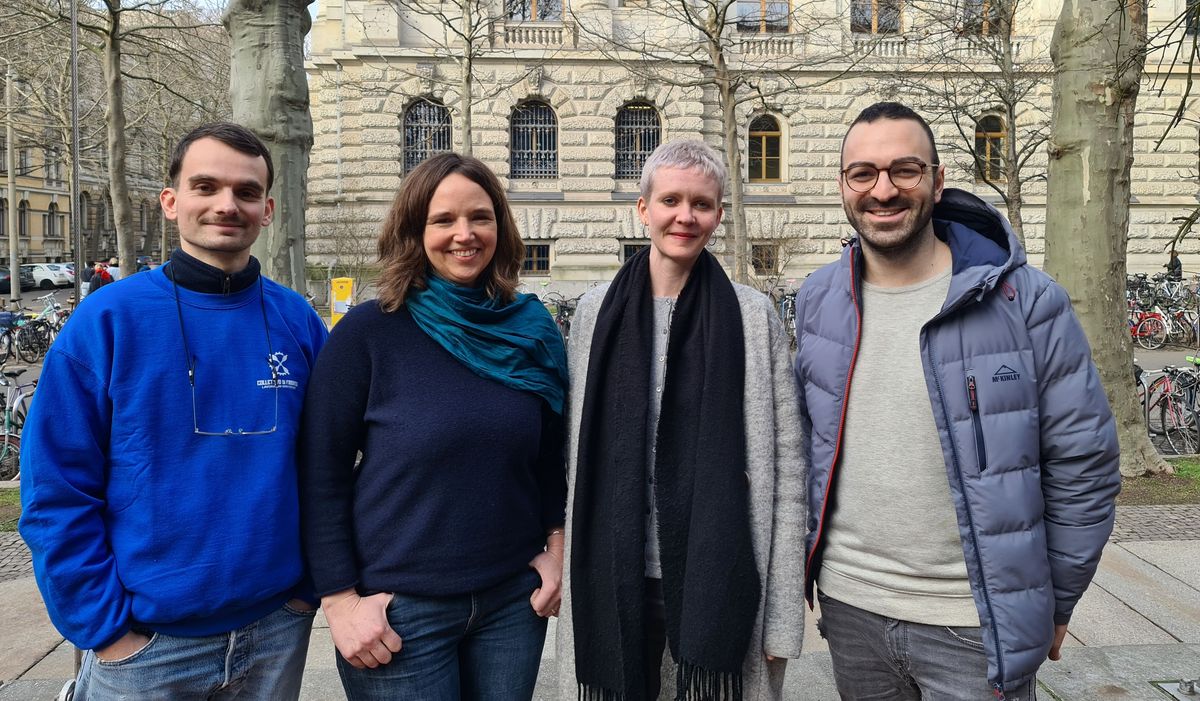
(134, 521)
(460, 476)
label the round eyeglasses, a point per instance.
(861, 177)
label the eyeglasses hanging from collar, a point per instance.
(191, 367)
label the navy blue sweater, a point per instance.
(460, 476)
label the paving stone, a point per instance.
(15, 561)
(1160, 522)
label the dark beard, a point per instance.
(912, 238)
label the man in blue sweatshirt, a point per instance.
(158, 471)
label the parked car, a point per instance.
(47, 275)
(26, 278)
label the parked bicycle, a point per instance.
(1169, 406)
(16, 407)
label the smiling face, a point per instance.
(681, 213)
(220, 203)
(886, 217)
(460, 230)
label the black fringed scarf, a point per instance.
(710, 583)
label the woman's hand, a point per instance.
(545, 599)
(360, 629)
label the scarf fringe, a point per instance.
(693, 683)
(595, 693)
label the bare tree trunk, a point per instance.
(733, 158)
(465, 99)
(1098, 51)
(1014, 201)
(466, 89)
(269, 94)
(115, 118)
(162, 221)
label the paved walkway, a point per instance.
(1138, 624)
(14, 557)
(1166, 522)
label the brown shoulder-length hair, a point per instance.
(402, 239)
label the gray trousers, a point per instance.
(875, 657)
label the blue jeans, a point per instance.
(262, 660)
(875, 657)
(482, 645)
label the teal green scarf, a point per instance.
(517, 344)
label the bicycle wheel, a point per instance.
(10, 457)
(1151, 333)
(20, 412)
(29, 343)
(1156, 396)
(1179, 425)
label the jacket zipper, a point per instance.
(980, 446)
(987, 600)
(810, 583)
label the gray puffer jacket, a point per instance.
(1029, 442)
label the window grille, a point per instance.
(765, 257)
(638, 134)
(763, 15)
(765, 150)
(989, 149)
(23, 219)
(534, 148)
(426, 132)
(24, 167)
(629, 250)
(537, 259)
(535, 10)
(875, 16)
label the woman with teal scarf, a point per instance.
(433, 487)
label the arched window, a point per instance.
(989, 148)
(52, 228)
(144, 217)
(638, 134)
(534, 142)
(765, 150)
(535, 10)
(23, 219)
(426, 132)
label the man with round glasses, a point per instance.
(159, 477)
(963, 455)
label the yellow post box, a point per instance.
(341, 290)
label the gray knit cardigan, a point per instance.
(775, 468)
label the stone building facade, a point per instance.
(43, 202)
(568, 97)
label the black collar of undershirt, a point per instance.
(194, 274)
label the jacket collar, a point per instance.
(193, 274)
